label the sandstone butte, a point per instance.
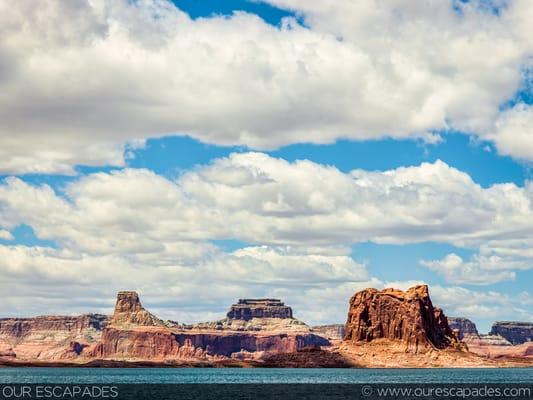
(387, 328)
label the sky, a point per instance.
(204, 151)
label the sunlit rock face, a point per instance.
(129, 311)
(50, 336)
(406, 318)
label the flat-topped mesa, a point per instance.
(130, 312)
(246, 309)
(514, 331)
(407, 318)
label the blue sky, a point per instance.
(460, 132)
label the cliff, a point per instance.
(514, 332)
(405, 318)
(463, 327)
(49, 337)
(253, 327)
(388, 328)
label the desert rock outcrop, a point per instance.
(406, 318)
(130, 312)
(246, 309)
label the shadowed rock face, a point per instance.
(464, 327)
(407, 318)
(514, 332)
(246, 309)
(129, 311)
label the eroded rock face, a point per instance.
(246, 309)
(19, 327)
(514, 332)
(146, 344)
(161, 343)
(49, 337)
(407, 317)
(136, 334)
(130, 312)
(465, 328)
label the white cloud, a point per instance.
(80, 79)
(513, 134)
(314, 210)
(263, 200)
(479, 270)
(37, 280)
(476, 305)
(6, 235)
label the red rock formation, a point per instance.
(134, 333)
(49, 337)
(142, 343)
(162, 343)
(19, 327)
(129, 311)
(408, 318)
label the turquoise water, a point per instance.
(262, 375)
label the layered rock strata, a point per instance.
(132, 333)
(49, 337)
(255, 315)
(246, 309)
(514, 332)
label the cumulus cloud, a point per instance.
(312, 209)
(513, 133)
(461, 302)
(38, 280)
(478, 270)
(264, 200)
(82, 79)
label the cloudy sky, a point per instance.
(204, 151)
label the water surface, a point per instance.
(262, 375)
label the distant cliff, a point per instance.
(246, 309)
(514, 332)
(464, 327)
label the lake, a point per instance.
(262, 375)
